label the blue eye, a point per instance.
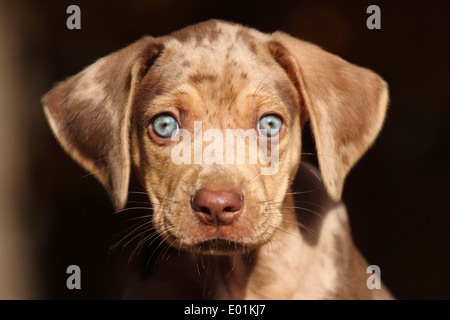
(165, 126)
(269, 125)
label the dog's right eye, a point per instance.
(165, 126)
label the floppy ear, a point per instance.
(89, 114)
(346, 104)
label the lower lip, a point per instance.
(220, 246)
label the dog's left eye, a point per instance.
(269, 125)
(165, 126)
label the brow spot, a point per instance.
(202, 77)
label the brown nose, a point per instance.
(217, 207)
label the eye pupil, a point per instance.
(165, 126)
(269, 125)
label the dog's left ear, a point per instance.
(89, 114)
(346, 104)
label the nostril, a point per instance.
(234, 207)
(204, 210)
(216, 206)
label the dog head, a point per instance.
(210, 118)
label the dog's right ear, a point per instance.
(89, 114)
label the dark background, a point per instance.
(397, 195)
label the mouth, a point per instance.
(183, 230)
(216, 245)
(221, 246)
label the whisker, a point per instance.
(146, 216)
(232, 268)
(168, 246)
(139, 202)
(303, 192)
(137, 236)
(259, 84)
(311, 203)
(162, 242)
(134, 229)
(132, 208)
(100, 169)
(281, 242)
(246, 181)
(304, 209)
(287, 232)
(165, 198)
(165, 246)
(303, 226)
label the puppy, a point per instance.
(210, 119)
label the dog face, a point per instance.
(214, 88)
(210, 117)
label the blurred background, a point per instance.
(53, 214)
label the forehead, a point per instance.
(215, 52)
(219, 65)
(215, 42)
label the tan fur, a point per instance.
(229, 76)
